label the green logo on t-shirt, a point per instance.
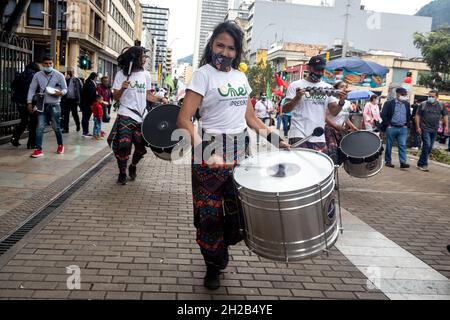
(225, 91)
(137, 85)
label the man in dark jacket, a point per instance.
(20, 86)
(71, 101)
(396, 115)
(428, 116)
(88, 97)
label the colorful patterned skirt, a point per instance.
(127, 133)
(217, 210)
(333, 139)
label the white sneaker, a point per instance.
(414, 148)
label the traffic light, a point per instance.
(284, 75)
(84, 62)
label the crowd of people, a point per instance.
(220, 95)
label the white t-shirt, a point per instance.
(261, 109)
(309, 113)
(135, 97)
(225, 97)
(342, 116)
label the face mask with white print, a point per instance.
(220, 62)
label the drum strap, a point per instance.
(137, 113)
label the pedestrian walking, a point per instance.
(371, 115)
(226, 111)
(97, 113)
(88, 97)
(395, 117)
(20, 86)
(428, 116)
(71, 101)
(51, 84)
(263, 108)
(104, 90)
(131, 87)
(285, 118)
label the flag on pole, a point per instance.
(281, 82)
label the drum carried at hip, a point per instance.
(289, 204)
(158, 128)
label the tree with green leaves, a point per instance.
(435, 47)
(258, 76)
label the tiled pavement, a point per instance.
(137, 241)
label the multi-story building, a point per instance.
(98, 28)
(183, 72)
(149, 43)
(209, 14)
(157, 20)
(169, 61)
(271, 21)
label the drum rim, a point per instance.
(142, 127)
(365, 157)
(296, 149)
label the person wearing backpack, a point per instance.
(20, 86)
(428, 116)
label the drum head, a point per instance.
(159, 124)
(283, 171)
(360, 144)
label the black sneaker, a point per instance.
(226, 258)
(132, 172)
(212, 280)
(448, 247)
(122, 179)
(390, 165)
(404, 166)
(14, 142)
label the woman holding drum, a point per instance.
(221, 93)
(132, 88)
(336, 126)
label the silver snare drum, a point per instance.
(288, 202)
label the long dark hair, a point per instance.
(131, 54)
(235, 32)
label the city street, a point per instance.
(138, 241)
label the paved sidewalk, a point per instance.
(26, 184)
(138, 242)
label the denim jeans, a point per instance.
(97, 127)
(286, 124)
(416, 137)
(428, 138)
(51, 112)
(399, 134)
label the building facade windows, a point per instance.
(120, 19)
(35, 17)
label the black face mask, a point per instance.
(315, 77)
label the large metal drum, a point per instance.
(362, 153)
(288, 202)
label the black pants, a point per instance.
(70, 105)
(26, 119)
(87, 113)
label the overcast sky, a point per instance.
(183, 18)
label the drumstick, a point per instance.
(316, 133)
(129, 70)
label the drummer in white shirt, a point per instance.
(309, 110)
(221, 93)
